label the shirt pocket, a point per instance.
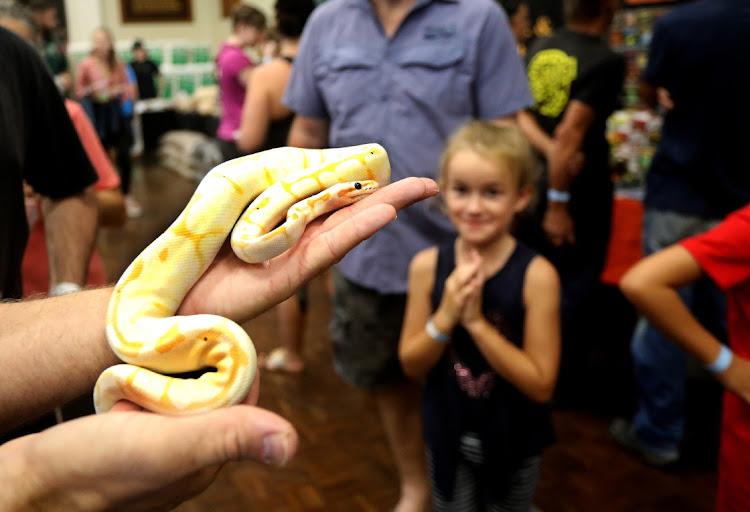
(437, 75)
(346, 75)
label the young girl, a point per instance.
(482, 329)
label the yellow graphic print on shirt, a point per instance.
(550, 74)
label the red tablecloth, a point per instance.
(625, 239)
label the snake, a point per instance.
(262, 203)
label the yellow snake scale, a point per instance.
(142, 329)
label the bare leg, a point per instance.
(401, 414)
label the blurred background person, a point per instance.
(576, 80)
(102, 82)
(520, 24)
(265, 124)
(233, 68)
(146, 71)
(53, 43)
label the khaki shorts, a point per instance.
(365, 329)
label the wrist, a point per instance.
(436, 333)
(63, 288)
(558, 196)
(722, 361)
(475, 326)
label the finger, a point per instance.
(234, 433)
(400, 194)
(332, 245)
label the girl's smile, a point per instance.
(482, 197)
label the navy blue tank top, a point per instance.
(462, 394)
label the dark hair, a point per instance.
(248, 15)
(111, 58)
(291, 16)
(137, 44)
(511, 6)
(584, 10)
(41, 5)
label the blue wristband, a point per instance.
(722, 361)
(558, 196)
(434, 333)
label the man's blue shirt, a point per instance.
(449, 61)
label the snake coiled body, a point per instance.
(142, 329)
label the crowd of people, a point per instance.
(464, 317)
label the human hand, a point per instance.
(472, 309)
(136, 461)
(558, 225)
(664, 99)
(736, 378)
(240, 291)
(459, 286)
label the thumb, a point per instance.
(240, 432)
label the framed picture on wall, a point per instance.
(649, 2)
(139, 11)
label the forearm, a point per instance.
(511, 362)
(537, 137)
(419, 353)
(666, 311)
(251, 137)
(563, 148)
(52, 351)
(308, 133)
(70, 229)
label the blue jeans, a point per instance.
(660, 366)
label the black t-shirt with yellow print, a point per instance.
(574, 66)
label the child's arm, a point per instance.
(652, 284)
(533, 369)
(417, 351)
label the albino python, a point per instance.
(299, 184)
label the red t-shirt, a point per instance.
(724, 254)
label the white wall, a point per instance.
(208, 25)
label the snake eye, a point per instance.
(358, 185)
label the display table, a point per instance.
(158, 116)
(625, 247)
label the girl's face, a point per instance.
(249, 35)
(482, 197)
(102, 44)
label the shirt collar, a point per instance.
(420, 3)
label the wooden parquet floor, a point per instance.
(344, 464)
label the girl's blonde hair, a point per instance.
(500, 142)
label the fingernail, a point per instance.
(276, 449)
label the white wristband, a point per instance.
(558, 196)
(434, 333)
(63, 288)
(722, 361)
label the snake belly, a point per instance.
(142, 328)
